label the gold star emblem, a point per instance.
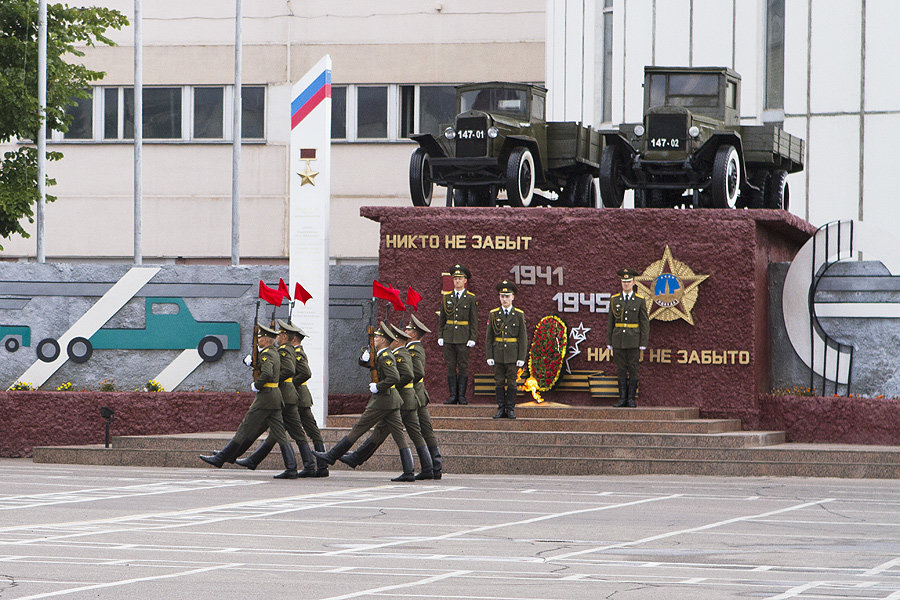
(308, 175)
(670, 287)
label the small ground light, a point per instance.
(107, 413)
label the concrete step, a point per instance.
(557, 411)
(561, 424)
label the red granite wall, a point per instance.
(838, 420)
(732, 247)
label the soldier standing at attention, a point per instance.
(506, 345)
(627, 334)
(457, 330)
(289, 414)
(305, 402)
(415, 329)
(409, 414)
(264, 413)
(384, 404)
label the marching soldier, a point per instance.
(627, 334)
(506, 346)
(384, 404)
(264, 413)
(289, 414)
(457, 330)
(415, 329)
(409, 414)
(304, 405)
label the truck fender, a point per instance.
(514, 141)
(614, 138)
(707, 152)
(427, 142)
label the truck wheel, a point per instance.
(612, 188)
(210, 348)
(726, 178)
(640, 198)
(484, 196)
(11, 344)
(461, 197)
(778, 194)
(47, 350)
(520, 177)
(584, 195)
(79, 350)
(751, 198)
(420, 184)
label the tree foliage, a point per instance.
(68, 29)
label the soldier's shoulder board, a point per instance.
(639, 297)
(518, 310)
(468, 293)
(619, 295)
(495, 310)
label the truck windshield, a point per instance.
(689, 89)
(493, 100)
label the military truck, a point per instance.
(501, 140)
(692, 150)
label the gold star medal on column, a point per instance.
(671, 288)
(307, 175)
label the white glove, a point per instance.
(470, 343)
(490, 362)
(520, 363)
(643, 347)
(248, 360)
(608, 346)
(253, 387)
(365, 355)
(440, 341)
(373, 387)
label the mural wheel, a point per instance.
(210, 348)
(79, 350)
(11, 344)
(47, 350)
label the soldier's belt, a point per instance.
(629, 325)
(457, 322)
(289, 380)
(304, 383)
(506, 339)
(408, 385)
(275, 385)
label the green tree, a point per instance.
(67, 29)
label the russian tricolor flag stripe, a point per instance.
(310, 98)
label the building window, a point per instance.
(253, 112)
(111, 124)
(209, 113)
(390, 112)
(371, 112)
(81, 112)
(436, 107)
(774, 54)
(338, 112)
(606, 92)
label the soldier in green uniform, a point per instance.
(304, 405)
(506, 346)
(627, 334)
(409, 414)
(289, 414)
(457, 331)
(384, 404)
(264, 413)
(415, 329)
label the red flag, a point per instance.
(388, 293)
(283, 289)
(269, 295)
(412, 298)
(301, 294)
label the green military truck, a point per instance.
(502, 140)
(692, 150)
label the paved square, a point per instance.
(81, 532)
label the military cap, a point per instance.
(385, 331)
(415, 323)
(626, 274)
(507, 287)
(266, 331)
(290, 327)
(460, 271)
(400, 333)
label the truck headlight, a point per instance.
(694, 131)
(493, 132)
(638, 130)
(449, 133)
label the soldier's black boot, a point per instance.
(290, 462)
(632, 390)
(461, 382)
(309, 461)
(252, 461)
(451, 386)
(437, 461)
(227, 454)
(360, 455)
(500, 393)
(406, 460)
(321, 465)
(511, 402)
(623, 392)
(337, 451)
(425, 462)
